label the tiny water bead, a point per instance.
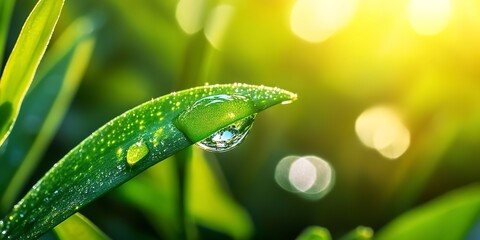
(310, 176)
(229, 137)
(136, 152)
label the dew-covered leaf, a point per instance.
(78, 227)
(24, 59)
(100, 162)
(43, 107)
(449, 217)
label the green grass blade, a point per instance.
(46, 102)
(448, 217)
(315, 233)
(6, 9)
(208, 203)
(24, 59)
(78, 227)
(99, 163)
(155, 193)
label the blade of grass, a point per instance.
(126, 146)
(6, 9)
(187, 228)
(24, 59)
(209, 205)
(44, 107)
(78, 227)
(155, 193)
(448, 217)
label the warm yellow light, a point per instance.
(429, 17)
(217, 24)
(381, 128)
(317, 20)
(190, 14)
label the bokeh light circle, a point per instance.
(309, 176)
(317, 20)
(382, 129)
(429, 17)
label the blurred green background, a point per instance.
(419, 58)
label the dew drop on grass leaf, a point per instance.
(228, 137)
(203, 117)
(136, 152)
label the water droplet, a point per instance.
(210, 113)
(229, 137)
(136, 152)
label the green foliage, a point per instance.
(315, 233)
(24, 59)
(78, 227)
(203, 188)
(44, 106)
(99, 163)
(155, 193)
(448, 217)
(6, 9)
(359, 233)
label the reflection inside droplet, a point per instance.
(229, 137)
(311, 177)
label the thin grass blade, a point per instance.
(448, 217)
(6, 9)
(78, 227)
(44, 107)
(209, 205)
(24, 60)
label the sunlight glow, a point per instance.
(190, 14)
(310, 177)
(381, 128)
(217, 24)
(429, 17)
(317, 20)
